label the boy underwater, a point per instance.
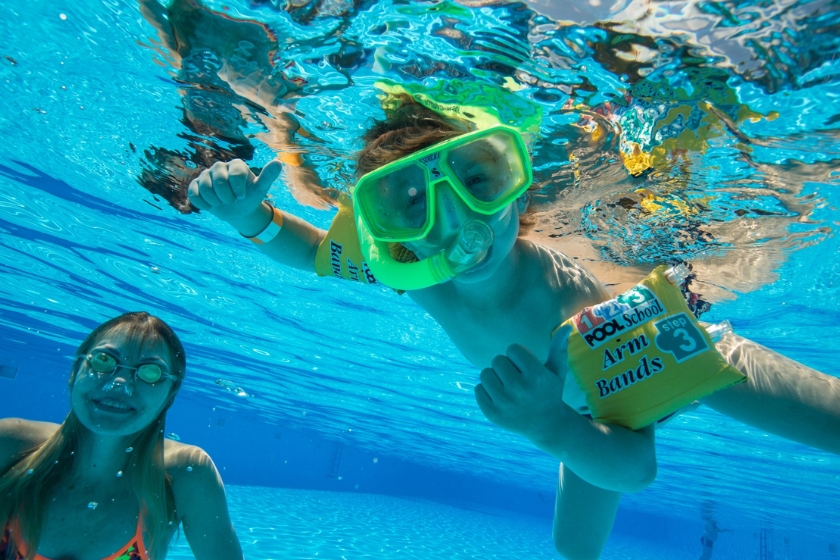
(450, 237)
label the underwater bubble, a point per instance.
(92, 505)
(189, 469)
(129, 449)
(30, 471)
(119, 474)
(173, 436)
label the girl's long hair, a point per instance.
(28, 484)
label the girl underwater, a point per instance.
(450, 237)
(105, 483)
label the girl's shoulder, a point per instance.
(17, 436)
(189, 466)
(181, 456)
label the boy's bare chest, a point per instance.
(483, 334)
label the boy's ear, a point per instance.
(522, 202)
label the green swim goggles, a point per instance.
(488, 169)
(104, 363)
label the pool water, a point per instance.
(340, 415)
(281, 523)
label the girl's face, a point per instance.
(120, 403)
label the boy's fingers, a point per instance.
(195, 196)
(205, 189)
(485, 402)
(238, 176)
(522, 358)
(558, 352)
(493, 386)
(506, 370)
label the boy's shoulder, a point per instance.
(572, 258)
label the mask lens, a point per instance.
(102, 362)
(150, 373)
(396, 202)
(489, 168)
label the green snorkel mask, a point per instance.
(488, 169)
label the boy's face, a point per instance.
(451, 215)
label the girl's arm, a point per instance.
(201, 504)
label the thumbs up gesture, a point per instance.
(230, 191)
(523, 395)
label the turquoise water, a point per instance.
(90, 97)
(281, 523)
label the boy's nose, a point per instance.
(450, 211)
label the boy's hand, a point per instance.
(520, 394)
(231, 192)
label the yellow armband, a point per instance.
(340, 254)
(642, 356)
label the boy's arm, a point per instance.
(522, 395)
(232, 193)
(780, 396)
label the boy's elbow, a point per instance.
(647, 476)
(646, 468)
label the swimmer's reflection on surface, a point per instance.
(229, 83)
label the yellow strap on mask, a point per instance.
(482, 104)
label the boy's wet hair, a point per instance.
(407, 129)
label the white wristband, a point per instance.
(271, 230)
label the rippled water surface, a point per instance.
(699, 130)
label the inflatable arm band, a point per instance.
(642, 356)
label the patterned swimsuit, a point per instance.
(134, 550)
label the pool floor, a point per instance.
(283, 524)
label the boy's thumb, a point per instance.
(267, 176)
(558, 352)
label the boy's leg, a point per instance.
(781, 396)
(583, 517)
